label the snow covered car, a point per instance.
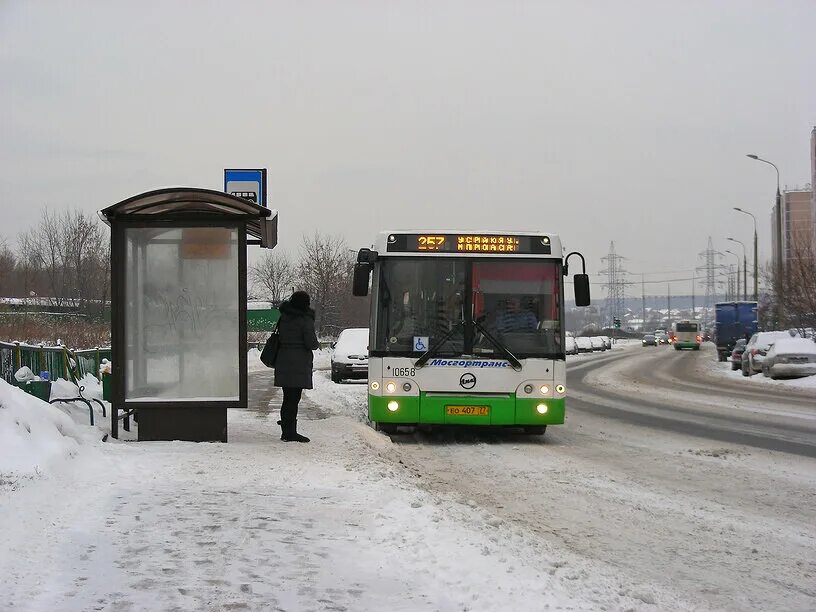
(736, 354)
(597, 343)
(570, 346)
(756, 349)
(584, 344)
(608, 342)
(350, 355)
(790, 357)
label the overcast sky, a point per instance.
(599, 121)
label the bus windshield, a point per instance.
(517, 303)
(420, 299)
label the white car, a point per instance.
(756, 349)
(584, 344)
(570, 346)
(598, 343)
(350, 355)
(790, 357)
(608, 342)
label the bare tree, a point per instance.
(325, 270)
(69, 254)
(45, 253)
(798, 286)
(7, 265)
(273, 276)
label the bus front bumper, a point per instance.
(475, 410)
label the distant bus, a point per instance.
(686, 334)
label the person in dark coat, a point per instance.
(293, 367)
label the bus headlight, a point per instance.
(528, 388)
(375, 385)
(544, 389)
(393, 406)
(541, 409)
(390, 387)
(560, 388)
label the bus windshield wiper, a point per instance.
(432, 351)
(503, 350)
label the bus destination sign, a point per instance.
(468, 243)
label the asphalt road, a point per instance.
(676, 391)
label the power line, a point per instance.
(615, 284)
(710, 267)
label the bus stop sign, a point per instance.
(247, 184)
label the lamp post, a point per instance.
(736, 285)
(756, 253)
(778, 267)
(744, 268)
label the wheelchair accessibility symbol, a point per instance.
(421, 343)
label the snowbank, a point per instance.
(723, 370)
(35, 436)
(322, 359)
(254, 361)
(348, 399)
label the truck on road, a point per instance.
(732, 321)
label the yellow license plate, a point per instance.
(467, 410)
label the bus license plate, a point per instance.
(467, 410)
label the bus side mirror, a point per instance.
(581, 283)
(362, 273)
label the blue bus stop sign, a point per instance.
(247, 184)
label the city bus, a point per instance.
(466, 328)
(686, 334)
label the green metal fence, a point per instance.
(51, 359)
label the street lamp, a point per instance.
(736, 288)
(778, 268)
(756, 253)
(744, 268)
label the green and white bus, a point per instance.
(466, 328)
(686, 334)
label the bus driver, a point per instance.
(514, 318)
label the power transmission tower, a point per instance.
(710, 268)
(615, 284)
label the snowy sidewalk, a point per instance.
(259, 524)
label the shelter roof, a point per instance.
(187, 202)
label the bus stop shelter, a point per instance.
(178, 316)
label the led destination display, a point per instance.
(468, 243)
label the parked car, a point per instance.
(570, 346)
(608, 342)
(597, 343)
(790, 357)
(649, 340)
(736, 354)
(757, 347)
(350, 355)
(584, 344)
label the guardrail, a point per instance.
(51, 359)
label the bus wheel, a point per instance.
(535, 430)
(386, 428)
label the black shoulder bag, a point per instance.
(269, 354)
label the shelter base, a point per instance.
(181, 423)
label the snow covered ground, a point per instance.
(260, 524)
(589, 518)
